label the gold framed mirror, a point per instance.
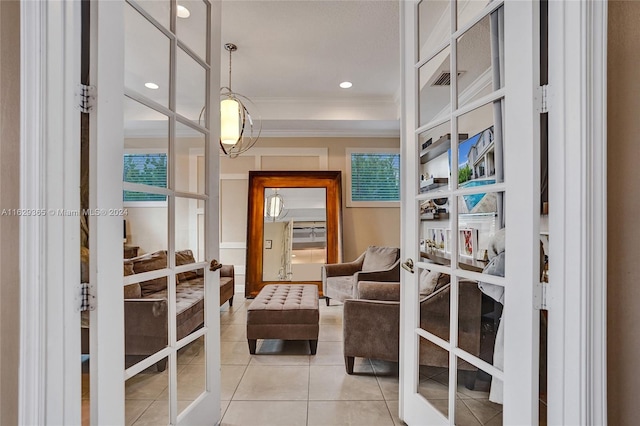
(294, 226)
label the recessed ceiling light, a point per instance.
(183, 12)
(346, 84)
(151, 86)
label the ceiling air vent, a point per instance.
(444, 79)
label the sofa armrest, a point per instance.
(227, 271)
(340, 269)
(371, 329)
(391, 274)
(374, 290)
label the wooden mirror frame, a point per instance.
(258, 181)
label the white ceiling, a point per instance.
(293, 54)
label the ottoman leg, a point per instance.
(252, 346)
(326, 299)
(313, 345)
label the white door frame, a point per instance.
(578, 222)
(578, 212)
(50, 383)
(50, 374)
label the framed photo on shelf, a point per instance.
(468, 242)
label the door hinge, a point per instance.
(540, 297)
(542, 99)
(86, 297)
(85, 98)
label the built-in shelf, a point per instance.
(432, 183)
(439, 147)
(434, 216)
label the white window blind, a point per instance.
(145, 169)
(374, 178)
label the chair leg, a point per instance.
(470, 379)
(313, 345)
(252, 346)
(326, 299)
(161, 365)
(348, 364)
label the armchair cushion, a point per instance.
(379, 258)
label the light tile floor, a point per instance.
(284, 385)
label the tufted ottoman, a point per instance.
(284, 311)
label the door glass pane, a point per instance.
(434, 26)
(435, 231)
(469, 9)
(189, 229)
(145, 227)
(480, 150)
(191, 25)
(146, 57)
(146, 142)
(479, 60)
(191, 88)
(475, 396)
(473, 330)
(146, 396)
(479, 238)
(189, 148)
(434, 375)
(434, 83)
(158, 9)
(191, 371)
(145, 320)
(435, 294)
(434, 147)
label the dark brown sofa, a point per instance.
(371, 324)
(146, 306)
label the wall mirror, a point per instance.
(294, 227)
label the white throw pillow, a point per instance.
(428, 282)
(379, 258)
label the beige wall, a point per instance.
(623, 289)
(9, 199)
(361, 226)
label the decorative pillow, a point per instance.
(128, 268)
(151, 262)
(185, 257)
(132, 291)
(428, 282)
(442, 281)
(379, 258)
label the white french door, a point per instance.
(471, 212)
(154, 356)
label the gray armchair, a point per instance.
(340, 280)
(371, 324)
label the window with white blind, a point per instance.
(373, 177)
(145, 169)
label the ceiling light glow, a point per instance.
(346, 84)
(151, 85)
(183, 12)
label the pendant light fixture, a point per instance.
(273, 206)
(239, 131)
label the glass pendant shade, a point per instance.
(274, 206)
(229, 121)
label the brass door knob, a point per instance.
(408, 265)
